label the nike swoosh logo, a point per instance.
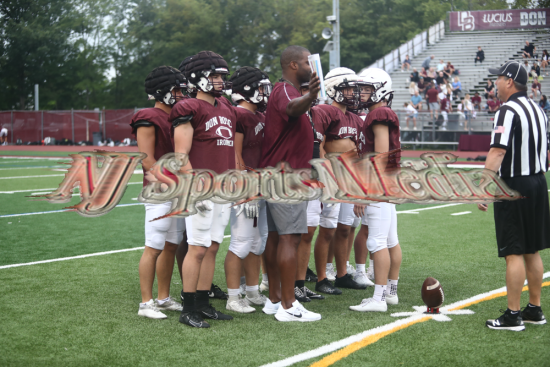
(298, 316)
(215, 316)
(502, 249)
(194, 323)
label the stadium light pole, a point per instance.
(36, 97)
(334, 20)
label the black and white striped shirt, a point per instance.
(521, 127)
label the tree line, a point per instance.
(96, 53)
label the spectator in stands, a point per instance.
(424, 74)
(536, 87)
(411, 114)
(544, 104)
(535, 70)
(489, 90)
(480, 56)
(406, 63)
(457, 87)
(493, 105)
(544, 60)
(426, 62)
(441, 66)
(476, 101)
(441, 79)
(416, 100)
(449, 69)
(446, 108)
(413, 88)
(415, 76)
(526, 66)
(529, 50)
(4, 136)
(468, 110)
(449, 90)
(433, 101)
(421, 86)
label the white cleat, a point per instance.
(331, 274)
(271, 308)
(370, 305)
(296, 313)
(361, 278)
(243, 289)
(240, 306)
(392, 300)
(264, 286)
(169, 305)
(370, 273)
(149, 310)
(256, 300)
(350, 269)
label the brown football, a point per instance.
(432, 293)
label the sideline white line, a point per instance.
(334, 346)
(59, 211)
(37, 167)
(431, 207)
(34, 158)
(55, 188)
(461, 213)
(77, 257)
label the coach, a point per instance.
(519, 152)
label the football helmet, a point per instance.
(161, 81)
(339, 79)
(191, 89)
(252, 85)
(316, 100)
(200, 66)
(381, 82)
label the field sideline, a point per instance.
(83, 311)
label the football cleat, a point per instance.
(300, 296)
(169, 305)
(507, 322)
(370, 305)
(310, 275)
(211, 313)
(311, 295)
(149, 310)
(193, 319)
(216, 292)
(347, 282)
(533, 315)
(324, 286)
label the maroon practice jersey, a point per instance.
(380, 115)
(286, 138)
(321, 121)
(164, 143)
(342, 125)
(213, 136)
(251, 125)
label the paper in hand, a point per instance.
(315, 64)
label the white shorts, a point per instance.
(4, 132)
(382, 222)
(245, 238)
(356, 222)
(346, 215)
(163, 230)
(445, 116)
(319, 214)
(202, 229)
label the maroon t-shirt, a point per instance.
(213, 136)
(444, 104)
(380, 115)
(251, 125)
(342, 125)
(493, 105)
(476, 100)
(432, 95)
(286, 138)
(164, 142)
(321, 121)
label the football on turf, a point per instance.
(432, 293)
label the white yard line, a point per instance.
(429, 208)
(76, 257)
(38, 167)
(461, 213)
(51, 189)
(58, 211)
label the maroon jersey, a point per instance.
(342, 125)
(224, 100)
(286, 138)
(444, 104)
(164, 143)
(432, 95)
(213, 136)
(321, 121)
(251, 125)
(380, 115)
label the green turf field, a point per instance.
(84, 311)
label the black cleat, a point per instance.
(507, 322)
(193, 319)
(347, 282)
(211, 313)
(310, 275)
(181, 297)
(216, 292)
(300, 296)
(311, 295)
(324, 286)
(533, 315)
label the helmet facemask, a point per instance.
(347, 94)
(215, 88)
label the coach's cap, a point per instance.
(512, 70)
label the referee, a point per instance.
(519, 152)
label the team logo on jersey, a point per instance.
(258, 128)
(347, 130)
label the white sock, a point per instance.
(264, 278)
(347, 263)
(233, 292)
(371, 264)
(379, 293)
(392, 287)
(163, 301)
(243, 280)
(252, 288)
(148, 302)
(329, 266)
(360, 268)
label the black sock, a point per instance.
(513, 313)
(188, 301)
(299, 283)
(531, 305)
(202, 299)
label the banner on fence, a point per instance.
(463, 21)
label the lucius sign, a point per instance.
(464, 21)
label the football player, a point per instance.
(151, 128)
(380, 133)
(316, 212)
(250, 90)
(204, 129)
(341, 136)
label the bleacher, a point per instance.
(460, 48)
